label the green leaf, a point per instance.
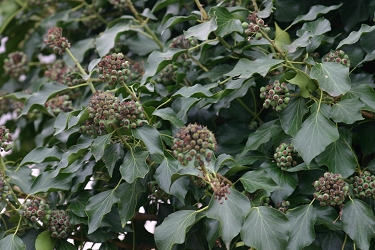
(327, 216)
(212, 231)
(174, 228)
(128, 194)
(134, 165)
(176, 20)
(12, 242)
(314, 12)
(354, 36)
(78, 204)
(99, 144)
(107, 39)
(48, 181)
(265, 228)
(316, 133)
(365, 93)
(316, 28)
(168, 114)
(194, 91)
(268, 8)
(79, 49)
(302, 232)
(258, 179)
(246, 68)
(202, 31)
(231, 213)
(44, 241)
(359, 222)
(226, 22)
(291, 117)
(42, 154)
(151, 137)
(347, 111)
(303, 82)
(367, 137)
(332, 77)
(262, 135)
(107, 246)
(112, 154)
(282, 38)
(64, 245)
(98, 206)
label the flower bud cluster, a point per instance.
(330, 189)
(56, 41)
(194, 143)
(337, 56)
(285, 156)
(5, 139)
(275, 95)
(181, 42)
(37, 210)
(156, 192)
(283, 206)
(363, 185)
(16, 64)
(63, 74)
(137, 71)
(106, 111)
(114, 69)
(4, 188)
(169, 73)
(59, 224)
(252, 29)
(119, 4)
(59, 104)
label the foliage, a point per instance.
(232, 124)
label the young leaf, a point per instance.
(354, 36)
(134, 165)
(174, 228)
(291, 117)
(246, 68)
(302, 232)
(44, 241)
(314, 12)
(12, 242)
(151, 137)
(303, 82)
(316, 133)
(359, 222)
(230, 213)
(258, 179)
(281, 38)
(264, 228)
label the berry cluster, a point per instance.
(337, 56)
(106, 111)
(283, 206)
(252, 29)
(220, 187)
(330, 189)
(56, 41)
(156, 192)
(285, 156)
(37, 210)
(137, 71)
(169, 73)
(194, 142)
(275, 95)
(4, 188)
(114, 69)
(119, 4)
(6, 105)
(16, 64)
(363, 185)
(197, 181)
(5, 139)
(59, 104)
(40, 3)
(59, 224)
(181, 42)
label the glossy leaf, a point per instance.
(226, 22)
(327, 216)
(332, 77)
(134, 165)
(314, 12)
(44, 241)
(12, 242)
(359, 222)
(231, 213)
(316, 28)
(176, 20)
(291, 118)
(266, 12)
(174, 228)
(202, 31)
(264, 228)
(258, 179)
(78, 204)
(354, 36)
(282, 38)
(151, 138)
(194, 91)
(168, 114)
(316, 133)
(246, 68)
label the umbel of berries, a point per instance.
(37, 210)
(59, 104)
(363, 185)
(285, 156)
(194, 142)
(252, 29)
(16, 64)
(337, 56)
(59, 224)
(275, 95)
(330, 189)
(114, 69)
(5, 139)
(4, 188)
(56, 41)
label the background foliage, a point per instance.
(190, 62)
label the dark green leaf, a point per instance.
(212, 231)
(359, 222)
(64, 245)
(264, 228)
(42, 154)
(195, 91)
(258, 179)
(151, 137)
(48, 181)
(367, 137)
(79, 49)
(246, 68)
(112, 154)
(99, 144)
(78, 204)
(318, 27)
(347, 111)
(314, 12)
(226, 22)
(12, 242)
(354, 36)
(268, 8)
(262, 135)
(177, 19)
(328, 217)
(365, 93)
(134, 165)
(168, 114)
(300, 42)
(107, 39)
(291, 117)
(202, 31)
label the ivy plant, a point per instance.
(226, 124)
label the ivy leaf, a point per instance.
(246, 68)
(347, 111)
(314, 12)
(282, 37)
(266, 12)
(262, 135)
(151, 137)
(302, 232)
(112, 154)
(107, 39)
(98, 206)
(44, 241)
(300, 42)
(48, 181)
(359, 222)
(134, 165)
(12, 242)
(176, 20)
(365, 93)
(42, 154)
(99, 144)
(78, 204)
(304, 83)
(318, 27)
(168, 114)
(202, 31)
(79, 49)
(173, 229)
(327, 216)
(231, 213)
(128, 194)
(354, 36)
(194, 91)
(291, 117)
(65, 245)
(226, 22)
(264, 228)
(332, 77)
(368, 58)
(258, 179)
(316, 133)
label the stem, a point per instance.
(122, 137)
(344, 243)
(203, 43)
(226, 80)
(204, 16)
(149, 31)
(198, 63)
(255, 5)
(320, 101)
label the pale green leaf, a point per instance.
(226, 22)
(44, 241)
(303, 82)
(246, 68)
(365, 93)
(134, 165)
(99, 144)
(168, 114)
(48, 181)
(107, 39)
(317, 27)
(177, 19)
(42, 154)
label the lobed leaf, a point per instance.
(291, 118)
(246, 68)
(314, 12)
(12, 242)
(134, 165)
(258, 179)
(151, 138)
(226, 22)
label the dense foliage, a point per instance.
(229, 124)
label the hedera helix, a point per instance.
(228, 124)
